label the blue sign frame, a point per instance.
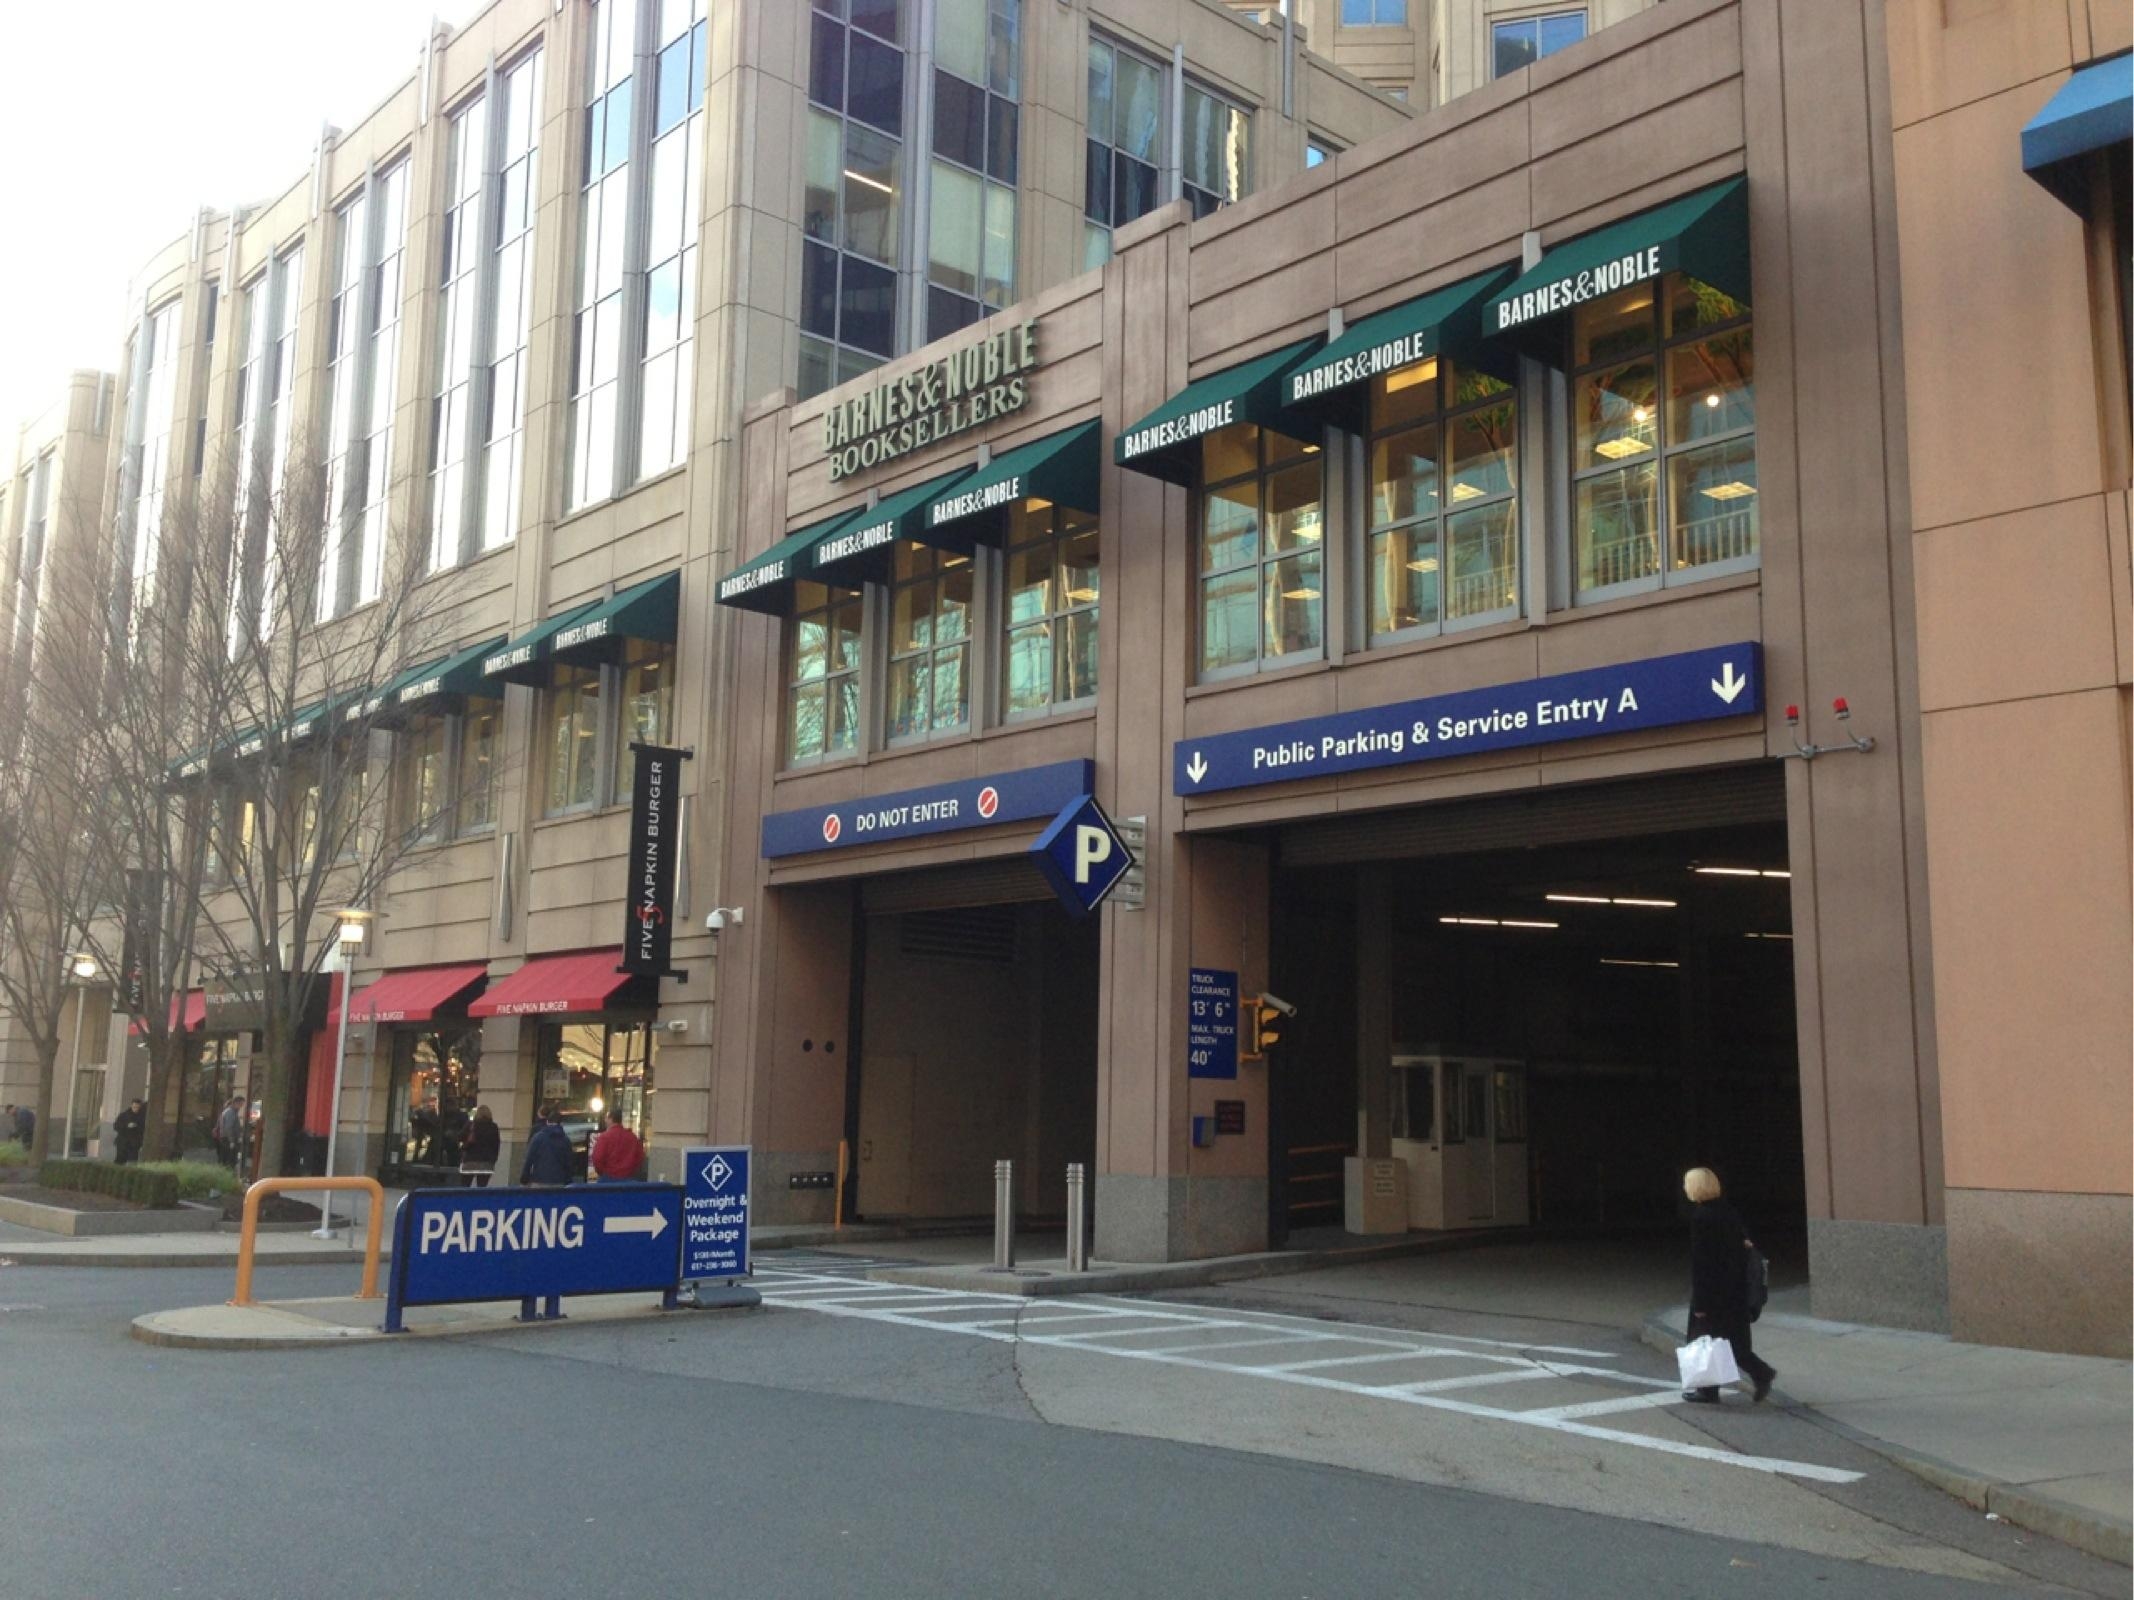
(1657, 692)
(976, 802)
(1081, 881)
(715, 1207)
(1211, 1023)
(456, 1246)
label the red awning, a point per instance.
(188, 1014)
(581, 981)
(412, 995)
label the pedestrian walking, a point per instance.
(618, 1154)
(127, 1131)
(230, 1131)
(548, 1153)
(478, 1151)
(1719, 1247)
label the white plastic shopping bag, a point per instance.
(1706, 1363)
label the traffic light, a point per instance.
(1265, 1018)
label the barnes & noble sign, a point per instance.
(957, 391)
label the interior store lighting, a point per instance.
(1625, 961)
(1611, 900)
(1741, 872)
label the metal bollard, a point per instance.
(1003, 1215)
(1077, 1224)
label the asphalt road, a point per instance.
(786, 1452)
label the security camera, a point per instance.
(676, 1024)
(723, 917)
(1278, 1003)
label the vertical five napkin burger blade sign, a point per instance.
(655, 840)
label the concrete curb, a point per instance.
(63, 1222)
(151, 1329)
(1170, 1274)
(225, 1260)
(2084, 1529)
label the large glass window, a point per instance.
(675, 215)
(277, 420)
(420, 795)
(1374, 13)
(29, 554)
(1442, 546)
(1262, 550)
(1663, 432)
(363, 346)
(1525, 40)
(930, 598)
(511, 306)
(205, 1084)
(1124, 150)
(152, 413)
(478, 734)
(571, 739)
(647, 704)
(344, 347)
(603, 230)
(460, 260)
(1049, 610)
(436, 1084)
(1216, 163)
(822, 673)
(587, 1069)
(855, 190)
(977, 134)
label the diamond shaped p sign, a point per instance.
(1082, 855)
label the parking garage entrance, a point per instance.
(976, 1040)
(1546, 1006)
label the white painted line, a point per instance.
(1420, 1354)
(1135, 1333)
(1473, 1380)
(1671, 1396)
(1363, 1332)
(1235, 1344)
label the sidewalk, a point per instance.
(2042, 1440)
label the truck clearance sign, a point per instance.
(1658, 692)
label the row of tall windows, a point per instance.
(1661, 476)
(485, 315)
(1124, 151)
(151, 412)
(444, 785)
(1023, 618)
(36, 501)
(590, 716)
(640, 206)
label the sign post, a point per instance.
(453, 1246)
(715, 1244)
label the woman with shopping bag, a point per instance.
(1718, 1296)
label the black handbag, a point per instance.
(1759, 1275)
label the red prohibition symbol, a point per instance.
(831, 828)
(988, 801)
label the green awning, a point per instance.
(646, 610)
(525, 659)
(1162, 443)
(766, 583)
(1705, 234)
(305, 726)
(1062, 467)
(859, 548)
(1446, 321)
(433, 685)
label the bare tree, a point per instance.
(235, 716)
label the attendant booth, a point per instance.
(1459, 1122)
(595, 1037)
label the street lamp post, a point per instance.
(351, 940)
(83, 969)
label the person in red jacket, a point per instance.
(618, 1154)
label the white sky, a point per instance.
(121, 117)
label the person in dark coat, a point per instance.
(478, 1151)
(25, 1126)
(128, 1128)
(1719, 1281)
(548, 1160)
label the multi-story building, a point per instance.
(1513, 578)
(512, 318)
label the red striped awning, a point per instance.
(188, 1014)
(413, 994)
(584, 980)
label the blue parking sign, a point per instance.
(715, 1212)
(1082, 855)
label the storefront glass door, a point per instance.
(436, 1082)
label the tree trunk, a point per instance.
(47, 1066)
(156, 1135)
(275, 1100)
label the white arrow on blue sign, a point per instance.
(1082, 856)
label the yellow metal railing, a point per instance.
(266, 1186)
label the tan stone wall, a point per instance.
(2021, 551)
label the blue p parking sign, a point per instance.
(715, 1212)
(1082, 855)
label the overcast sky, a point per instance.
(121, 117)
